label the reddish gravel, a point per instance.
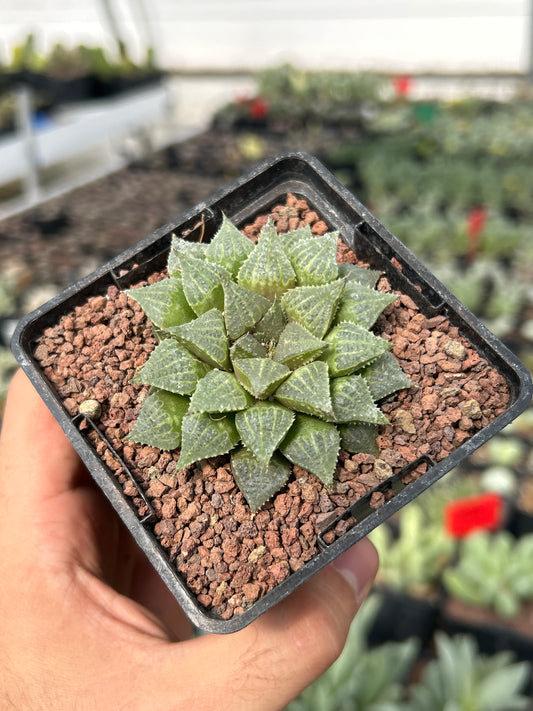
(228, 557)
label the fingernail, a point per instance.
(358, 566)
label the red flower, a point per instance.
(258, 108)
(403, 85)
(481, 512)
(475, 224)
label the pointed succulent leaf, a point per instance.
(351, 348)
(385, 376)
(247, 346)
(297, 346)
(352, 401)
(204, 435)
(201, 284)
(229, 247)
(307, 390)
(177, 247)
(315, 260)
(219, 391)
(163, 302)
(289, 239)
(267, 270)
(313, 306)
(242, 308)
(172, 367)
(260, 376)
(262, 427)
(258, 481)
(206, 338)
(361, 275)
(271, 325)
(359, 437)
(313, 445)
(160, 420)
(362, 305)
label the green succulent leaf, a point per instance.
(307, 390)
(242, 308)
(360, 275)
(289, 239)
(384, 376)
(204, 435)
(178, 246)
(315, 260)
(352, 401)
(313, 306)
(260, 376)
(229, 247)
(272, 324)
(159, 423)
(359, 437)
(219, 391)
(262, 427)
(247, 346)
(206, 338)
(172, 367)
(163, 302)
(362, 305)
(351, 348)
(313, 444)
(258, 481)
(201, 284)
(267, 270)
(297, 346)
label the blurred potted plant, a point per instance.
(411, 566)
(461, 678)
(490, 591)
(362, 678)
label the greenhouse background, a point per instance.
(117, 116)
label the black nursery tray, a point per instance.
(249, 196)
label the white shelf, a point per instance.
(82, 128)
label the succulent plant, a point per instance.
(265, 351)
(461, 679)
(413, 561)
(362, 678)
(493, 571)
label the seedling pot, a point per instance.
(241, 201)
(520, 522)
(402, 616)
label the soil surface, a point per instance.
(228, 557)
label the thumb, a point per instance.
(267, 664)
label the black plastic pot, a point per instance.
(251, 195)
(53, 91)
(402, 616)
(114, 85)
(520, 522)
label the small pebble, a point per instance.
(382, 470)
(471, 409)
(454, 349)
(405, 420)
(91, 409)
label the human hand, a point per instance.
(86, 623)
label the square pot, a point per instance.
(241, 201)
(402, 616)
